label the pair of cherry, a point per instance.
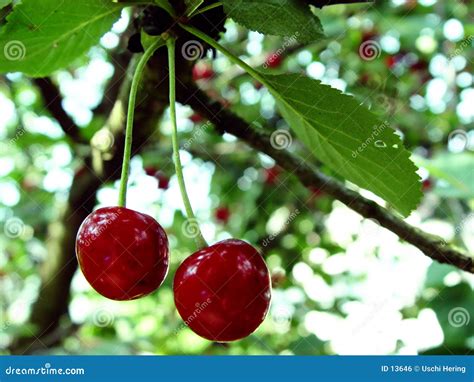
(222, 292)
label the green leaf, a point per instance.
(4, 3)
(42, 36)
(165, 4)
(348, 138)
(192, 5)
(453, 173)
(288, 18)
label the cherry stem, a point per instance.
(201, 242)
(127, 152)
(205, 9)
(236, 60)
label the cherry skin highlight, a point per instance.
(222, 292)
(122, 253)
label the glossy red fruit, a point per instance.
(122, 253)
(222, 214)
(202, 72)
(222, 292)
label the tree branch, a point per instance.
(53, 103)
(227, 122)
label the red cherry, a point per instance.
(390, 61)
(222, 214)
(196, 118)
(419, 66)
(150, 171)
(427, 185)
(163, 181)
(369, 35)
(202, 72)
(273, 61)
(278, 278)
(271, 175)
(223, 292)
(122, 253)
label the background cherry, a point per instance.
(223, 291)
(122, 253)
(222, 214)
(163, 180)
(271, 175)
(202, 71)
(196, 118)
(274, 60)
